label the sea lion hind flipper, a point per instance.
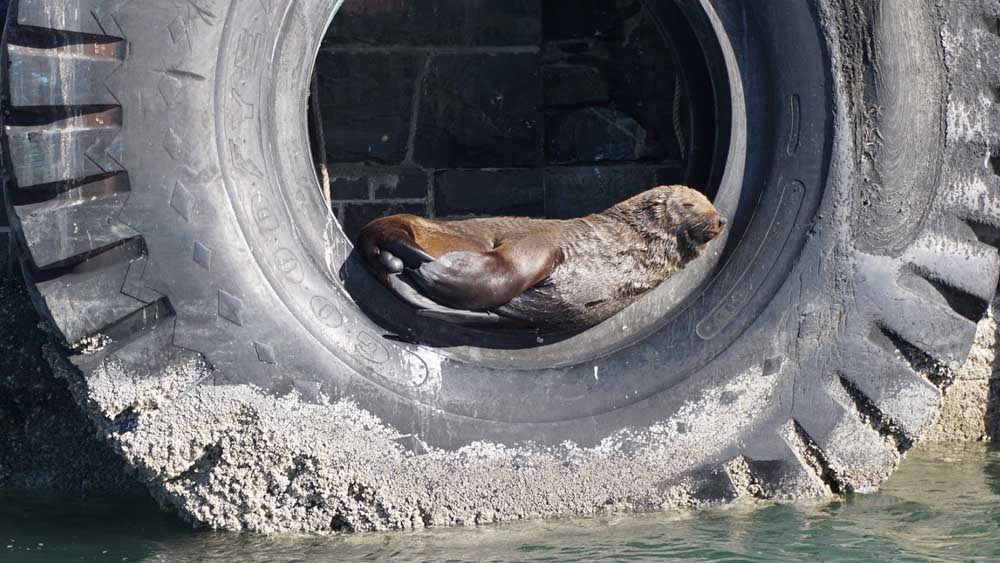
(408, 251)
(390, 262)
(389, 244)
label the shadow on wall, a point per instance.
(45, 440)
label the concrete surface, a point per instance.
(233, 458)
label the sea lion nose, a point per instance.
(722, 221)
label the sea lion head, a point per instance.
(676, 211)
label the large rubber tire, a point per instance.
(176, 242)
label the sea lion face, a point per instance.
(700, 220)
(682, 212)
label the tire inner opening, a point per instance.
(460, 109)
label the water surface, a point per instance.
(942, 505)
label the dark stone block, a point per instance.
(642, 82)
(598, 134)
(589, 52)
(559, 51)
(348, 187)
(3, 183)
(366, 102)
(357, 215)
(670, 175)
(519, 192)
(481, 110)
(575, 191)
(437, 22)
(572, 19)
(570, 85)
(405, 185)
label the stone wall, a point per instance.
(449, 108)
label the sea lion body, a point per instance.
(546, 273)
(605, 268)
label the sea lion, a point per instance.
(540, 273)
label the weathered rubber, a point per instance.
(203, 323)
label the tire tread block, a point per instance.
(772, 478)
(859, 456)
(48, 77)
(937, 330)
(82, 16)
(68, 149)
(151, 350)
(976, 200)
(906, 399)
(87, 300)
(780, 466)
(62, 234)
(968, 266)
(139, 348)
(929, 325)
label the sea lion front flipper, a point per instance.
(397, 255)
(483, 280)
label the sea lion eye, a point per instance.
(689, 205)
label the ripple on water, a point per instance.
(942, 505)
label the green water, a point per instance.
(942, 505)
